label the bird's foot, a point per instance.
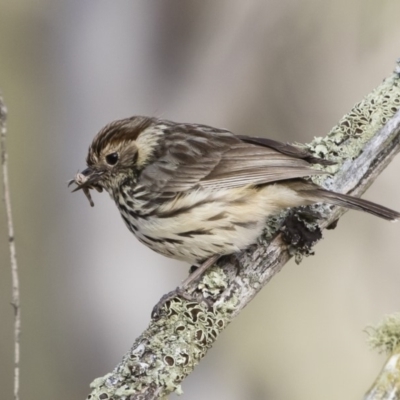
(156, 312)
(180, 292)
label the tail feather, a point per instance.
(355, 203)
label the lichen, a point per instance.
(385, 337)
(347, 139)
(171, 346)
(273, 225)
(214, 282)
(301, 231)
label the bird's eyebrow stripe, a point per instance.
(122, 130)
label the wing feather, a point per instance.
(201, 156)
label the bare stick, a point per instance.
(14, 266)
(362, 144)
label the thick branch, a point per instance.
(11, 242)
(363, 144)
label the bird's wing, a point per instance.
(201, 156)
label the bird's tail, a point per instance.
(355, 203)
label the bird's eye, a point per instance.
(112, 158)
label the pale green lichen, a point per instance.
(347, 139)
(213, 282)
(171, 346)
(227, 307)
(385, 337)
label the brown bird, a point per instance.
(194, 192)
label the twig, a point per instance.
(11, 241)
(363, 144)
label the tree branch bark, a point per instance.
(363, 143)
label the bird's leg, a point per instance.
(180, 291)
(199, 271)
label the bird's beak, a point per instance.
(86, 180)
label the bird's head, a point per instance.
(117, 152)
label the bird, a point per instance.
(194, 192)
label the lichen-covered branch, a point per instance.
(386, 338)
(11, 242)
(362, 144)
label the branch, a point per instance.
(363, 144)
(11, 242)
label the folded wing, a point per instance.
(203, 157)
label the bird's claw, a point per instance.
(178, 292)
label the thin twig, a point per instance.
(13, 258)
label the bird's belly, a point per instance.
(203, 223)
(196, 239)
(199, 225)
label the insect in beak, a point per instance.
(87, 180)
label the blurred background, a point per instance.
(288, 70)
